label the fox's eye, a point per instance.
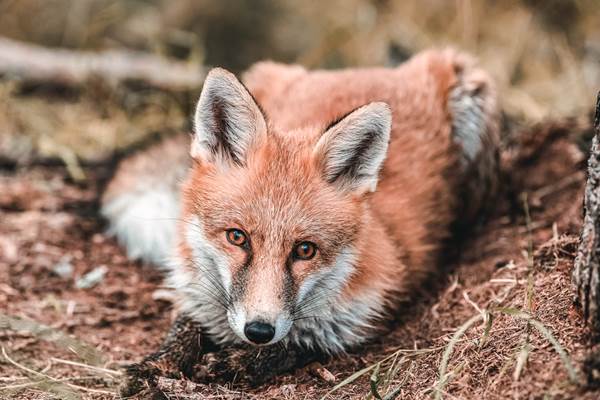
(305, 250)
(236, 237)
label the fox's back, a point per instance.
(440, 165)
(443, 131)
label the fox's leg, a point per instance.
(180, 351)
(257, 365)
(184, 346)
(276, 360)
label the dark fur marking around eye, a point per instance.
(289, 285)
(241, 278)
(288, 270)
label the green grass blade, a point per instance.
(439, 387)
(548, 335)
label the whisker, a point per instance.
(213, 279)
(316, 317)
(212, 295)
(321, 292)
(307, 312)
(211, 289)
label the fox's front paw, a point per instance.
(266, 363)
(137, 378)
(176, 358)
(143, 376)
(251, 365)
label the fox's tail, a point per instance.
(142, 203)
(472, 103)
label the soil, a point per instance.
(519, 261)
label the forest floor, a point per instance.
(65, 335)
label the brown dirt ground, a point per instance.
(45, 217)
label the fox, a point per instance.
(307, 205)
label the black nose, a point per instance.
(259, 332)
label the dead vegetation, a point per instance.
(503, 324)
(544, 56)
(524, 337)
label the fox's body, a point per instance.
(295, 182)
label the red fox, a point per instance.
(312, 201)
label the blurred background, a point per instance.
(84, 82)
(544, 55)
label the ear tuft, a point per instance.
(352, 151)
(228, 122)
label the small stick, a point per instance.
(91, 367)
(50, 378)
(319, 371)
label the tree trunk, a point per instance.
(586, 272)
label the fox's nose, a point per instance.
(259, 332)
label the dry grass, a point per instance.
(507, 330)
(542, 54)
(523, 333)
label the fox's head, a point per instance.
(271, 217)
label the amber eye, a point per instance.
(236, 237)
(305, 250)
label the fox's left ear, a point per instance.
(351, 152)
(228, 122)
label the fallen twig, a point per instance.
(86, 366)
(53, 380)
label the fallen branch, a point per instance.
(31, 62)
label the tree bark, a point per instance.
(586, 272)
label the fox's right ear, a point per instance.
(228, 122)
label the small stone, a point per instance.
(64, 268)
(9, 250)
(92, 278)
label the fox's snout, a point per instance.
(259, 332)
(261, 295)
(259, 327)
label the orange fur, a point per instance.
(410, 214)
(278, 195)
